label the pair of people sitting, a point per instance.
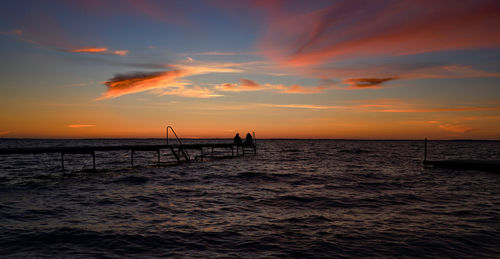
(238, 141)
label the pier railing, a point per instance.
(180, 149)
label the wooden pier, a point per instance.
(482, 165)
(180, 151)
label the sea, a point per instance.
(292, 199)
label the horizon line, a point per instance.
(230, 138)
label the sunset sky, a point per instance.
(284, 69)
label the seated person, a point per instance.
(237, 139)
(248, 139)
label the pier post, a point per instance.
(158, 157)
(212, 152)
(175, 155)
(62, 161)
(425, 149)
(93, 159)
(132, 157)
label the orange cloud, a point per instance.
(305, 106)
(120, 52)
(4, 132)
(297, 89)
(90, 50)
(123, 84)
(80, 125)
(456, 128)
(249, 85)
(164, 83)
(100, 50)
(352, 28)
(367, 82)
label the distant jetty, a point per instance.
(483, 165)
(180, 151)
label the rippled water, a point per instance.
(295, 198)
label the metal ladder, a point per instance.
(181, 150)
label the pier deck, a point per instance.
(483, 165)
(179, 151)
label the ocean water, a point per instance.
(294, 199)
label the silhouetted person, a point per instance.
(248, 139)
(237, 139)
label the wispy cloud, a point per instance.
(155, 10)
(4, 132)
(122, 52)
(165, 82)
(31, 38)
(453, 109)
(90, 50)
(122, 84)
(220, 53)
(100, 50)
(305, 106)
(81, 125)
(15, 32)
(447, 71)
(351, 28)
(381, 74)
(249, 85)
(456, 128)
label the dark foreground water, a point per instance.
(295, 198)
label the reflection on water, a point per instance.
(295, 198)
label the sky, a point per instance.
(368, 69)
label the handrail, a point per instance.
(184, 152)
(173, 131)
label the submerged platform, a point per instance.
(483, 165)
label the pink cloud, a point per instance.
(162, 11)
(353, 28)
